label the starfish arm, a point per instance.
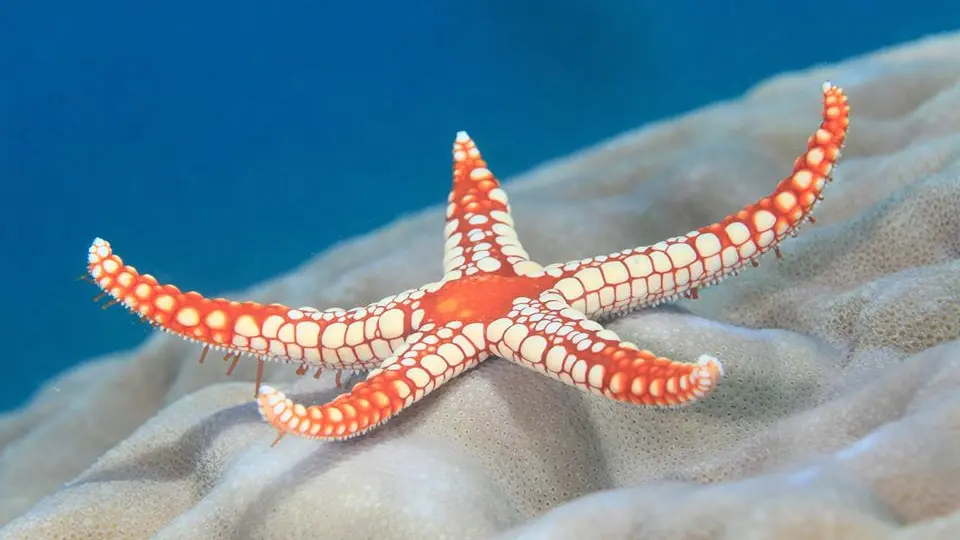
(358, 338)
(635, 278)
(480, 236)
(550, 337)
(428, 358)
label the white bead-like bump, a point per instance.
(515, 335)
(333, 335)
(216, 320)
(595, 377)
(591, 278)
(785, 201)
(738, 232)
(434, 364)
(110, 266)
(681, 254)
(708, 244)
(802, 179)
(246, 326)
(480, 173)
(188, 317)
(533, 347)
(570, 288)
(419, 377)
(554, 359)
(661, 263)
(142, 291)
(496, 329)
(730, 256)
(763, 220)
(815, 156)
(639, 265)
(308, 334)
(354, 334)
(271, 326)
(614, 272)
(488, 264)
(391, 324)
(579, 371)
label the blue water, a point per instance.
(216, 144)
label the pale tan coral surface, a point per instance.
(839, 416)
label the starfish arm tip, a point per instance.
(271, 402)
(99, 250)
(709, 371)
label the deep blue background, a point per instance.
(216, 144)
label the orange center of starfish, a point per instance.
(481, 297)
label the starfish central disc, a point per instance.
(481, 298)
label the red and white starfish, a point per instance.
(492, 300)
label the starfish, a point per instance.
(492, 300)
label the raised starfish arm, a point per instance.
(479, 234)
(427, 359)
(358, 338)
(549, 336)
(634, 278)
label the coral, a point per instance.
(839, 416)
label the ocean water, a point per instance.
(216, 144)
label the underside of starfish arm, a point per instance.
(428, 358)
(634, 278)
(480, 235)
(548, 336)
(358, 338)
